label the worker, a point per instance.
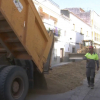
(91, 57)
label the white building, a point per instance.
(68, 28)
(54, 20)
(80, 30)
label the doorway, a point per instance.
(73, 50)
(61, 54)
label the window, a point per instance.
(87, 43)
(73, 27)
(92, 22)
(92, 35)
(95, 36)
(99, 38)
(81, 31)
(64, 33)
(73, 50)
(87, 34)
(70, 39)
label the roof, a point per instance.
(77, 17)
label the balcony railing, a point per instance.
(54, 29)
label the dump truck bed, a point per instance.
(22, 32)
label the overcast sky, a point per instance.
(85, 4)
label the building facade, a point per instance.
(95, 22)
(53, 20)
(69, 26)
(80, 30)
(93, 19)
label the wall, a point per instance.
(86, 16)
(71, 27)
(79, 31)
(60, 24)
(91, 18)
(95, 18)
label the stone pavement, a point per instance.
(80, 93)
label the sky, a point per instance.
(85, 4)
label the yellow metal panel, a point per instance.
(29, 28)
(15, 17)
(35, 40)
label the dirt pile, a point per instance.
(64, 78)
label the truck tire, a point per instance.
(13, 83)
(2, 67)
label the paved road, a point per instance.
(80, 93)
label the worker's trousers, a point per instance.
(90, 73)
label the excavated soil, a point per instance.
(64, 78)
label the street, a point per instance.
(80, 93)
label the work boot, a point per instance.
(92, 83)
(92, 86)
(88, 79)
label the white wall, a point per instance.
(48, 7)
(80, 24)
(63, 23)
(95, 22)
(51, 6)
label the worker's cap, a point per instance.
(91, 47)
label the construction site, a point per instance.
(39, 61)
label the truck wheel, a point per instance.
(13, 83)
(2, 67)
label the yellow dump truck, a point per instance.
(25, 46)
